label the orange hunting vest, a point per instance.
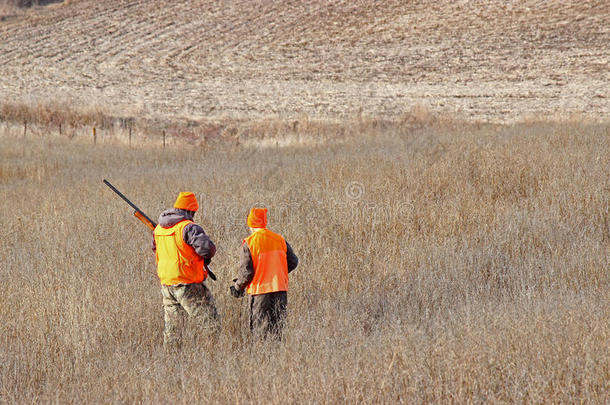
(177, 262)
(268, 251)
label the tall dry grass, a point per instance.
(440, 262)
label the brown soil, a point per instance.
(496, 60)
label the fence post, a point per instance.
(130, 136)
(94, 136)
(60, 128)
(25, 127)
(164, 139)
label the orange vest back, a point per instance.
(268, 251)
(177, 262)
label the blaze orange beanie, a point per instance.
(186, 201)
(257, 218)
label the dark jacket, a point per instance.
(193, 234)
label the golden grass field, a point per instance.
(440, 262)
(440, 168)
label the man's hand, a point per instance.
(235, 292)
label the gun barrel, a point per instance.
(132, 205)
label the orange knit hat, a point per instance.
(257, 218)
(186, 201)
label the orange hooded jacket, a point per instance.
(268, 252)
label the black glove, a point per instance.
(235, 292)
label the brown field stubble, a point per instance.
(492, 60)
(443, 262)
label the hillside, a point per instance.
(493, 60)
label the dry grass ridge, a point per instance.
(494, 60)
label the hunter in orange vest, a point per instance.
(266, 260)
(181, 249)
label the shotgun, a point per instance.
(138, 213)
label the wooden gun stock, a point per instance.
(145, 220)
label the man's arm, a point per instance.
(195, 236)
(291, 258)
(246, 268)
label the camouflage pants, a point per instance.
(194, 301)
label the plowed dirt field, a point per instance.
(493, 60)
